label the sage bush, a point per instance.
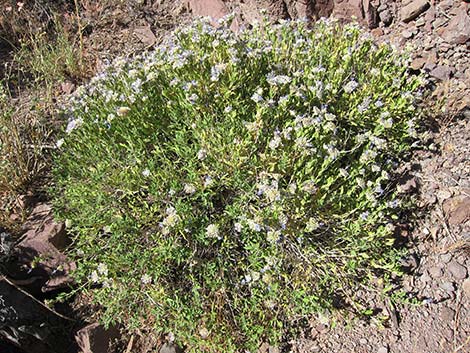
(223, 186)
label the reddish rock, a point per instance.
(348, 10)
(457, 209)
(145, 35)
(304, 9)
(94, 338)
(43, 239)
(215, 9)
(418, 63)
(371, 14)
(212, 8)
(323, 8)
(377, 32)
(458, 29)
(413, 9)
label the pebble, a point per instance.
(435, 272)
(407, 34)
(457, 270)
(448, 287)
(447, 314)
(445, 257)
(170, 348)
(420, 22)
(466, 287)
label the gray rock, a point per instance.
(382, 350)
(170, 348)
(407, 34)
(412, 10)
(442, 72)
(466, 287)
(457, 270)
(386, 17)
(435, 272)
(448, 287)
(447, 314)
(445, 258)
(420, 22)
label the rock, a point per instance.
(44, 239)
(448, 287)
(215, 9)
(443, 195)
(145, 35)
(435, 272)
(442, 72)
(458, 29)
(94, 338)
(458, 271)
(457, 209)
(212, 8)
(382, 350)
(420, 22)
(445, 258)
(446, 5)
(407, 34)
(304, 9)
(377, 32)
(370, 13)
(347, 9)
(466, 287)
(386, 17)
(412, 10)
(447, 314)
(170, 348)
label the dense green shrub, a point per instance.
(225, 185)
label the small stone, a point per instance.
(377, 32)
(425, 278)
(170, 348)
(435, 272)
(363, 341)
(386, 17)
(442, 72)
(412, 10)
(382, 350)
(466, 287)
(420, 22)
(443, 195)
(417, 63)
(447, 314)
(448, 287)
(457, 209)
(445, 258)
(407, 34)
(457, 270)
